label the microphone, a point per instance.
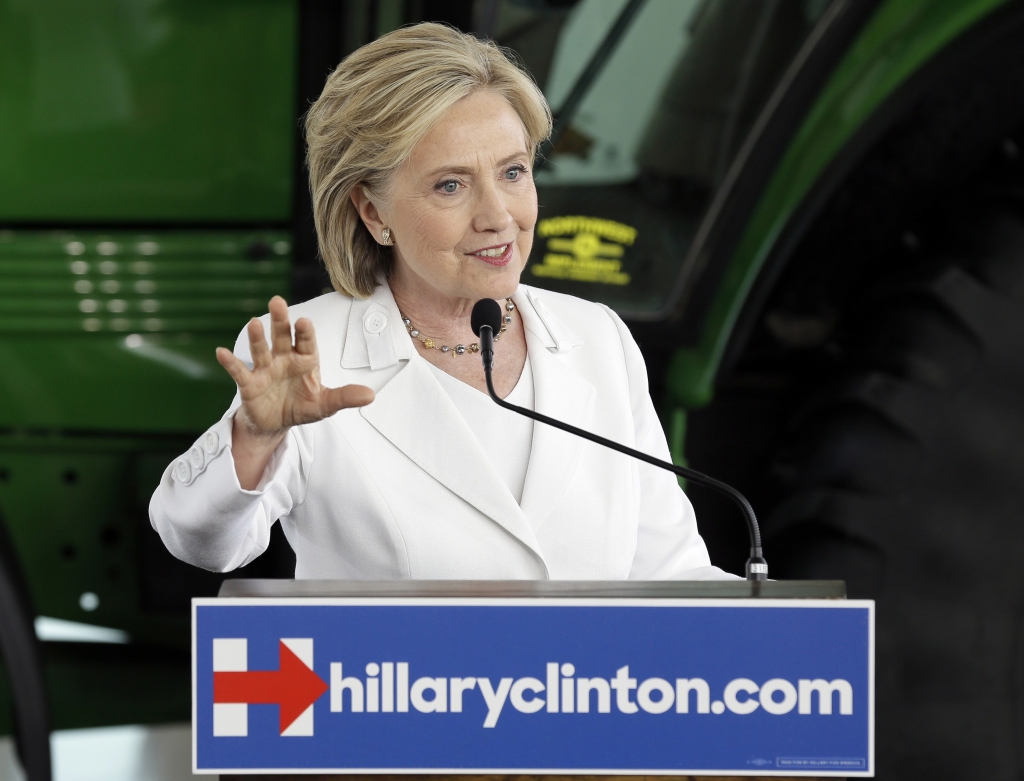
(486, 321)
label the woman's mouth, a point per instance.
(496, 256)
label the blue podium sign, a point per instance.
(541, 686)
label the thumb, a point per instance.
(334, 399)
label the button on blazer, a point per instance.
(402, 488)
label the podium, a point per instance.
(532, 678)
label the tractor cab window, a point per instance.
(653, 101)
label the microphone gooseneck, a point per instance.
(486, 319)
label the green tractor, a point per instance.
(809, 212)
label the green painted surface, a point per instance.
(116, 332)
(75, 518)
(390, 16)
(96, 685)
(75, 508)
(107, 373)
(88, 421)
(900, 37)
(147, 111)
(119, 112)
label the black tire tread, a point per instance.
(905, 478)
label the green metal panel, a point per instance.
(147, 111)
(122, 112)
(95, 685)
(116, 332)
(69, 509)
(107, 372)
(900, 38)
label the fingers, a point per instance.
(280, 328)
(280, 334)
(258, 344)
(334, 399)
(305, 337)
(235, 367)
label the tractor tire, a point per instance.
(906, 478)
(22, 662)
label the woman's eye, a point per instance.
(449, 188)
(514, 173)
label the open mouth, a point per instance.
(496, 256)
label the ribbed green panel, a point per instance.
(116, 332)
(136, 283)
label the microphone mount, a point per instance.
(487, 317)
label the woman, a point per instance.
(367, 431)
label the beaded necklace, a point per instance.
(459, 349)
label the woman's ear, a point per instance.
(368, 212)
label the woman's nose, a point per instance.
(492, 212)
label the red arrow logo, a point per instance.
(293, 687)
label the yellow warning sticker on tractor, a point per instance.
(584, 249)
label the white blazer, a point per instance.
(402, 488)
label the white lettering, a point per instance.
(495, 699)
(438, 703)
(552, 670)
(403, 687)
(387, 686)
(568, 671)
(604, 695)
(338, 686)
(683, 688)
(622, 684)
(372, 695)
(519, 702)
(567, 698)
(456, 686)
(825, 690)
(648, 687)
(372, 688)
(388, 689)
(768, 701)
(735, 687)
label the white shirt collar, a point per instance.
(377, 338)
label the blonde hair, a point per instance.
(376, 106)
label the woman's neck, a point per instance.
(447, 320)
(432, 313)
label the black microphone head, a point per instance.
(486, 311)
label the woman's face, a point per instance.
(463, 207)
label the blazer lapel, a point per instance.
(559, 393)
(413, 412)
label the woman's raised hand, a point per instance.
(280, 391)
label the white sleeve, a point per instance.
(202, 513)
(668, 545)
